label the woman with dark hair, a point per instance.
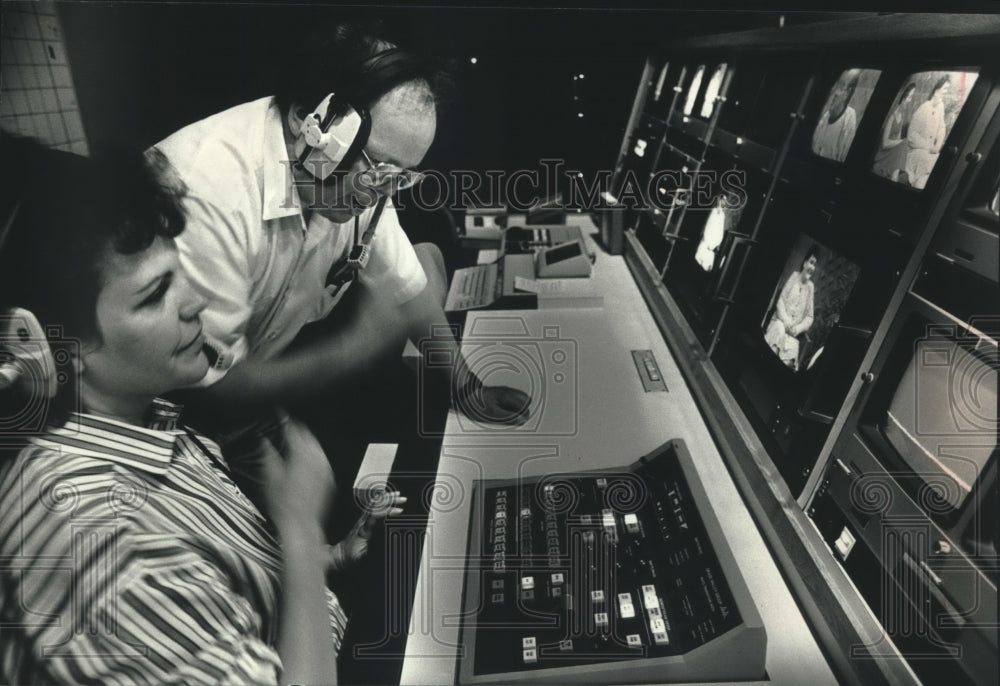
(926, 134)
(890, 159)
(131, 557)
(793, 312)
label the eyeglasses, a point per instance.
(382, 175)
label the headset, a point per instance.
(334, 133)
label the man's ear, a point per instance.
(296, 114)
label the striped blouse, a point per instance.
(127, 555)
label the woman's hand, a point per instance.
(299, 482)
(354, 547)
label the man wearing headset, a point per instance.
(288, 206)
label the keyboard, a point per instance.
(475, 287)
(612, 577)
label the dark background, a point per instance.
(142, 70)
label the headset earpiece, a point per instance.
(332, 136)
(329, 141)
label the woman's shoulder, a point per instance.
(54, 475)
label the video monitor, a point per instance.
(917, 126)
(724, 216)
(815, 285)
(712, 91)
(845, 106)
(693, 88)
(942, 419)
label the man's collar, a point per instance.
(280, 197)
(148, 448)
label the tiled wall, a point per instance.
(37, 97)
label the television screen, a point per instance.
(942, 419)
(724, 216)
(918, 123)
(845, 106)
(807, 301)
(693, 88)
(712, 91)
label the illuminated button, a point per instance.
(601, 619)
(597, 597)
(530, 656)
(566, 646)
(501, 514)
(634, 640)
(602, 483)
(498, 584)
(529, 642)
(526, 512)
(650, 601)
(657, 626)
(557, 578)
(527, 583)
(660, 638)
(632, 523)
(626, 610)
(625, 598)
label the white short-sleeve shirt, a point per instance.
(246, 246)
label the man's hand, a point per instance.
(354, 547)
(493, 404)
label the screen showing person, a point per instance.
(918, 123)
(845, 106)
(693, 89)
(942, 420)
(712, 91)
(808, 299)
(724, 216)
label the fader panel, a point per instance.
(610, 576)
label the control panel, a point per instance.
(606, 577)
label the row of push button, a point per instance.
(500, 534)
